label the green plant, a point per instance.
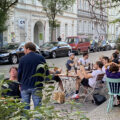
(118, 44)
(13, 109)
(54, 8)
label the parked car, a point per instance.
(79, 43)
(55, 49)
(12, 52)
(104, 46)
(113, 45)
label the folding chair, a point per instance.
(91, 90)
(114, 89)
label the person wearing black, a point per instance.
(115, 58)
(11, 84)
(55, 73)
(59, 38)
(27, 68)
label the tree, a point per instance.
(5, 6)
(54, 8)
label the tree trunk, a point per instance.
(52, 33)
(52, 30)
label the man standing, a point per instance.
(26, 70)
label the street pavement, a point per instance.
(100, 113)
(60, 62)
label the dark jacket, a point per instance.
(12, 89)
(27, 68)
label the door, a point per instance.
(61, 49)
(65, 48)
(80, 45)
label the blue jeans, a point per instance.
(26, 96)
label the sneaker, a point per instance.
(75, 96)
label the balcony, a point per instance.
(87, 14)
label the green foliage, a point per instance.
(115, 0)
(5, 6)
(54, 8)
(118, 44)
(13, 109)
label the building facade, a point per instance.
(114, 28)
(28, 22)
(91, 22)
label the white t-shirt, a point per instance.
(84, 62)
(104, 71)
(95, 73)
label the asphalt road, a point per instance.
(60, 62)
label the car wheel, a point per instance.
(98, 49)
(94, 50)
(14, 59)
(54, 54)
(69, 52)
(37, 52)
(78, 52)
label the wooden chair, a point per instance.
(114, 89)
(99, 80)
(91, 90)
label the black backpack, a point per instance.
(98, 99)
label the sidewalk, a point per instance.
(100, 113)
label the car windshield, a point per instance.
(10, 46)
(52, 44)
(72, 40)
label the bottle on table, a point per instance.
(89, 67)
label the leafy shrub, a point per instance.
(13, 109)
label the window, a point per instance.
(80, 40)
(66, 30)
(72, 29)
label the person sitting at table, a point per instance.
(84, 61)
(12, 84)
(55, 73)
(115, 58)
(105, 60)
(70, 62)
(113, 72)
(88, 79)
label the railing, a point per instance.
(88, 14)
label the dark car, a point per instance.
(104, 46)
(94, 46)
(55, 49)
(12, 52)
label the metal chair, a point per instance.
(114, 89)
(91, 90)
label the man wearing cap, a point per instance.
(70, 62)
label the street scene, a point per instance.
(59, 60)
